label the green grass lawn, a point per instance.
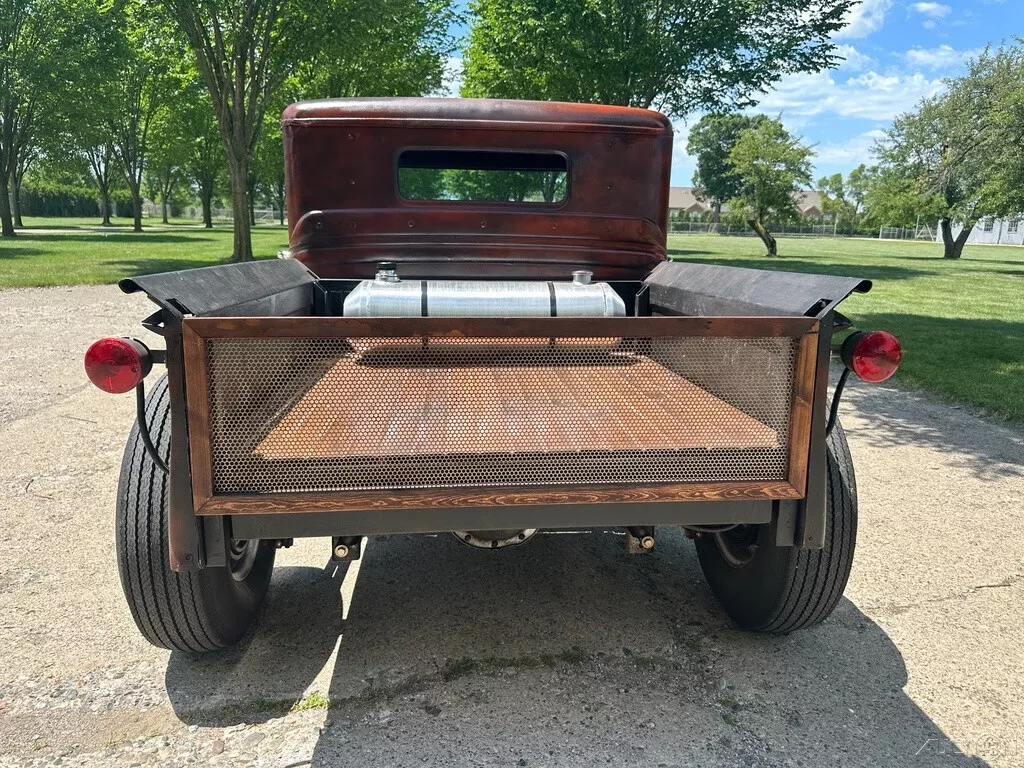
(117, 223)
(105, 257)
(961, 322)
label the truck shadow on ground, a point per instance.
(562, 651)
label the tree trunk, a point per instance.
(250, 188)
(206, 197)
(163, 205)
(105, 205)
(953, 247)
(136, 206)
(716, 215)
(240, 209)
(765, 235)
(6, 224)
(280, 198)
(16, 202)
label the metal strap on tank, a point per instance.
(423, 298)
(554, 301)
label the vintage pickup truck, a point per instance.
(476, 329)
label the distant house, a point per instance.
(683, 199)
(808, 203)
(992, 232)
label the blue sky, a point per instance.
(897, 52)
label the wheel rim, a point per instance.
(737, 545)
(242, 557)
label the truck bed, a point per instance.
(337, 413)
(428, 409)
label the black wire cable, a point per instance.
(140, 409)
(836, 394)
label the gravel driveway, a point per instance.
(563, 652)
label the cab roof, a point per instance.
(543, 114)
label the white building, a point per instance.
(992, 232)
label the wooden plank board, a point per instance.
(387, 411)
(801, 411)
(448, 498)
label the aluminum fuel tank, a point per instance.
(389, 296)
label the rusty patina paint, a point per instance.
(346, 214)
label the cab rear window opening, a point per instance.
(479, 175)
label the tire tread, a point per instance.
(156, 594)
(826, 570)
(797, 587)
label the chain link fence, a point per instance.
(922, 232)
(788, 230)
(223, 215)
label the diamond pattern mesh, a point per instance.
(386, 413)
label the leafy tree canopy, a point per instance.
(46, 57)
(893, 200)
(710, 142)
(674, 55)
(773, 166)
(380, 48)
(247, 51)
(963, 146)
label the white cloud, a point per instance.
(854, 151)
(853, 60)
(683, 165)
(870, 95)
(866, 17)
(943, 57)
(935, 10)
(452, 82)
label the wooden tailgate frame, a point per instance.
(197, 330)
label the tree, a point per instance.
(80, 132)
(138, 90)
(268, 167)
(27, 155)
(951, 146)
(857, 183)
(675, 55)
(246, 51)
(710, 142)
(772, 166)
(389, 48)
(1003, 187)
(169, 148)
(243, 53)
(893, 200)
(545, 186)
(100, 157)
(204, 151)
(41, 44)
(834, 202)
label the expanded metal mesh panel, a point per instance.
(318, 414)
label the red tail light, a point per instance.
(117, 365)
(873, 355)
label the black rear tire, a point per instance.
(767, 588)
(199, 611)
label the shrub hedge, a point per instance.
(51, 199)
